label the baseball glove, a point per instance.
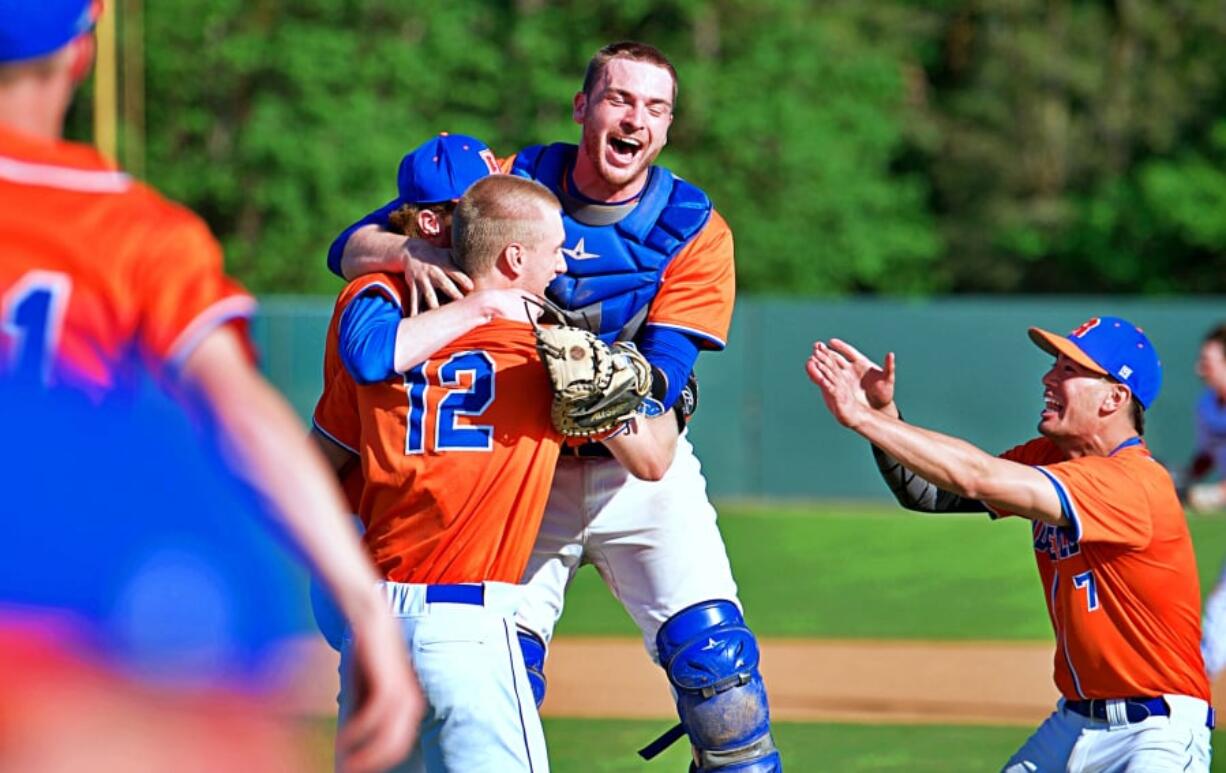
(596, 387)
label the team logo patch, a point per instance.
(1085, 327)
(491, 162)
(579, 252)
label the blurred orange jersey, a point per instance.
(99, 273)
(1121, 581)
(458, 455)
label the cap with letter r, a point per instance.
(1113, 347)
(30, 29)
(442, 168)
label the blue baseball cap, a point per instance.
(1113, 347)
(33, 28)
(442, 168)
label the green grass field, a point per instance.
(850, 571)
(854, 571)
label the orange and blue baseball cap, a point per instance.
(442, 168)
(1113, 347)
(30, 29)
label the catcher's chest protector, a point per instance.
(614, 269)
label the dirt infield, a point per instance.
(875, 682)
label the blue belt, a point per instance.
(1135, 709)
(456, 594)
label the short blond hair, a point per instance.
(495, 212)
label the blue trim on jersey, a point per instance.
(716, 344)
(1066, 504)
(674, 353)
(334, 438)
(336, 251)
(1063, 641)
(367, 336)
(1132, 441)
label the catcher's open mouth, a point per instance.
(624, 148)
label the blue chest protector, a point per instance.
(614, 269)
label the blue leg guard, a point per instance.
(712, 662)
(533, 648)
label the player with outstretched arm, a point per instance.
(1109, 536)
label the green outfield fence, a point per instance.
(965, 366)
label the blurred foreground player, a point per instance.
(102, 281)
(1109, 536)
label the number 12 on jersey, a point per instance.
(470, 401)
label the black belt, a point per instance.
(1135, 709)
(587, 451)
(456, 594)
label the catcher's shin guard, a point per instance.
(712, 662)
(533, 648)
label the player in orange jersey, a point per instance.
(430, 180)
(458, 453)
(102, 279)
(1110, 539)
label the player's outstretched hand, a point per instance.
(390, 705)
(876, 381)
(428, 270)
(840, 384)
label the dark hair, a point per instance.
(626, 49)
(1138, 416)
(1217, 334)
(404, 219)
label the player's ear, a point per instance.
(511, 261)
(429, 224)
(82, 57)
(580, 107)
(1117, 397)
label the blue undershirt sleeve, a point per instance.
(673, 353)
(337, 250)
(367, 337)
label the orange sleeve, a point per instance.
(1031, 453)
(698, 288)
(1103, 502)
(336, 412)
(179, 289)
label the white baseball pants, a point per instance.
(480, 716)
(656, 544)
(1067, 741)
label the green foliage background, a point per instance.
(888, 147)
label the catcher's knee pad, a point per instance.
(712, 662)
(533, 648)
